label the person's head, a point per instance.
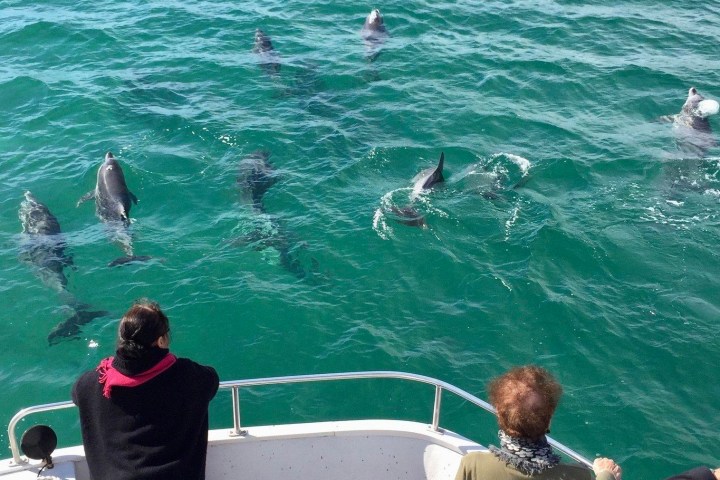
(525, 399)
(143, 327)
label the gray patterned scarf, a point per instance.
(525, 455)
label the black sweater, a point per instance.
(157, 430)
(697, 473)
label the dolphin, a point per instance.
(269, 236)
(497, 177)
(113, 200)
(264, 49)
(70, 328)
(112, 197)
(43, 244)
(409, 216)
(423, 181)
(374, 26)
(255, 176)
(374, 33)
(692, 129)
(44, 247)
(266, 232)
(428, 177)
(689, 114)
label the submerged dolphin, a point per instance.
(374, 34)
(496, 177)
(255, 177)
(269, 235)
(70, 328)
(408, 215)
(43, 244)
(267, 56)
(266, 232)
(113, 200)
(44, 247)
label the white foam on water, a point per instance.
(511, 221)
(708, 107)
(505, 284)
(521, 162)
(380, 224)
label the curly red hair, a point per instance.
(525, 399)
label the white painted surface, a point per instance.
(354, 450)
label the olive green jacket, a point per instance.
(486, 466)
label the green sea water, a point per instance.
(570, 231)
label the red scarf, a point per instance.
(111, 377)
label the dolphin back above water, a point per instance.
(374, 24)
(690, 114)
(263, 44)
(422, 182)
(428, 177)
(113, 200)
(112, 197)
(693, 134)
(373, 33)
(263, 47)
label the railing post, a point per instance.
(436, 408)
(236, 431)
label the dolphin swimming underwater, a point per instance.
(43, 246)
(496, 177)
(113, 200)
(265, 231)
(268, 58)
(255, 176)
(70, 327)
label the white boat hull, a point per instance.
(352, 450)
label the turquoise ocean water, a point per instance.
(571, 231)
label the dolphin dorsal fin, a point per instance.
(437, 175)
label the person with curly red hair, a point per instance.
(525, 399)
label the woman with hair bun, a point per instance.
(144, 412)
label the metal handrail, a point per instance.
(22, 414)
(236, 385)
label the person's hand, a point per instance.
(605, 464)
